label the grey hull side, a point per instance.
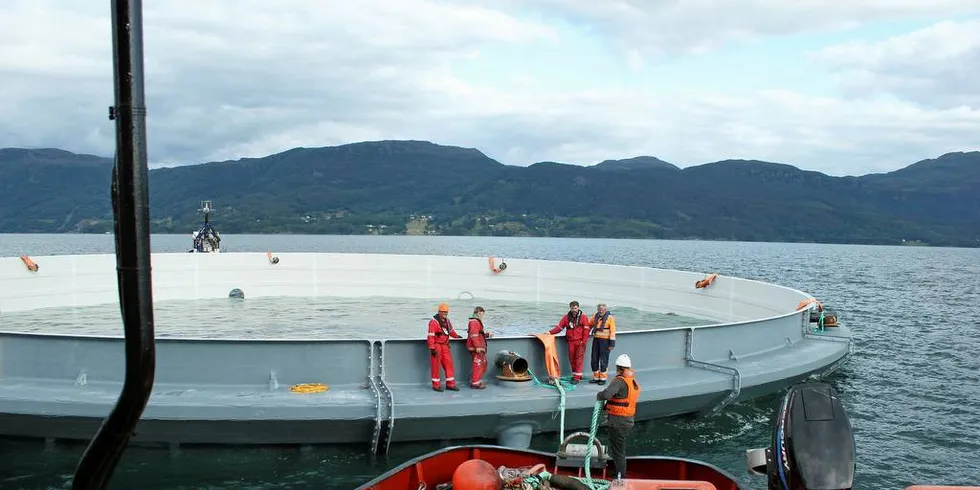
(492, 413)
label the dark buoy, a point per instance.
(236, 293)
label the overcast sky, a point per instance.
(842, 87)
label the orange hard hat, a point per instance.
(444, 307)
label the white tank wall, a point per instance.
(761, 317)
(81, 280)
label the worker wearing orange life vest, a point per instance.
(476, 343)
(603, 342)
(440, 330)
(621, 396)
(576, 327)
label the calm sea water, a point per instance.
(318, 318)
(912, 389)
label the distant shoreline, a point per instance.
(690, 239)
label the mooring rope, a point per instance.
(596, 411)
(560, 384)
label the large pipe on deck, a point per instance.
(512, 366)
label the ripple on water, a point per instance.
(319, 318)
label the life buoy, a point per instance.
(497, 269)
(803, 304)
(31, 265)
(707, 281)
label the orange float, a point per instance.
(707, 281)
(476, 474)
(31, 265)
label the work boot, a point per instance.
(575, 381)
(437, 388)
(452, 387)
(479, 386)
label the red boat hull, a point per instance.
(438, 467)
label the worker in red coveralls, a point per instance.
(576, 327)
(440, 330)
(476, 343)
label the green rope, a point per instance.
(596, 411)
(561, 387)
(537, 481)
(564, 381)
(820, 324)
(562, 384)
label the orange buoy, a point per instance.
(31, 265)
(707, 281)
(807, 302)
(476, 474)
(495, 268)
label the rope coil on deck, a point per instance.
(537, 481)
(304, 388)
(562, 384)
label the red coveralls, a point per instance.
(440, 330)
(577, 335)
(476, 343)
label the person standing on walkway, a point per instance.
(603, 342)
(620, 407)
(440, 331)
(476, 343)
(576, 326)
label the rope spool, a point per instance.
(305, 388)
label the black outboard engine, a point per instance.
(812, 443)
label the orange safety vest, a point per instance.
(625, 407)
(599, 326)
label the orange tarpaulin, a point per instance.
(550, 354)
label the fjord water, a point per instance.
(912, 389)
(323, 317)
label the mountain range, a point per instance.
(418, 187)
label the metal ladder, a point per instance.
(734, 372)
(384, 419)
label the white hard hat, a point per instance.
(624, 361)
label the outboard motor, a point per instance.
(812, 443)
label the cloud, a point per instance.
(226, 81)
(692, 26)
(937, 66)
